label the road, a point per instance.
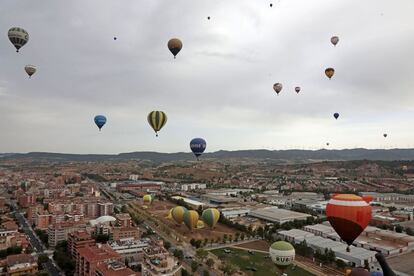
(50, 266)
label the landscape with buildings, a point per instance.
(89, 217)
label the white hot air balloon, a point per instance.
(277, 87)
(334, 40)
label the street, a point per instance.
(37, 245)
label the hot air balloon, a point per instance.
(177, 214)
(115, 38)
(329, 72)
(334, 40)
(191, 219)
(297, 89)
(100, 121)
(336, 115)
(327, 144)
(30, 70)
(211, 216)
(271, 5)
(349, 215)
(198, 146)
(200, 224)
(18, 37)
(175, 46)
(359, 271)
(385, 135)
(148, 199)
(282, 254)
(277, 87)
(169, 216)
(157, 120)
(208, 17)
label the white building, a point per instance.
(131, 250)
(193, 186)
(230, 213)
(276, 215)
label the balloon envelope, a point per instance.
(211, 216)
(282, 254)
(334, 40)
(329, 72)
(385, 135)
(336, 115)
(198, 146)
(175, 45)
(191, 219)
(297, 89)
(30, 69)
(177, 214)
(277, 87)
(18, 37)
(100, 121)
(359, 271)
(157, 119)
(148, 199)
(349, 215)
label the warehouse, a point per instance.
(276, 215)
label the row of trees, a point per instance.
(63, 258)
(397, 228)
(326, 257)
(10, 251)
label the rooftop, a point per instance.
(276, 214)
(99, 252)
(114, 268)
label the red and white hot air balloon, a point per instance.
(349, 215)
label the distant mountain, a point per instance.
(282, 155)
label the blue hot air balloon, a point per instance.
(336, 115)
(198, 146)
(100, 121)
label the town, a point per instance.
(94, 218)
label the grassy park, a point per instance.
(259, 261)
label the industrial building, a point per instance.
(192, 203)
(276, 215)
(230, 213)
(356, 257)
(193, 186)
(219, 200)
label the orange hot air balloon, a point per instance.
(349, 215)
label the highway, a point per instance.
(37, 245)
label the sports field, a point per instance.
(259, 261)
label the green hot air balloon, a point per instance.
(177, 214)
(191, 219)
(211, 216)
(282, 254)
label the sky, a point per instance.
(220, 86)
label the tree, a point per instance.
(167, 245)
(242, 236)
(43, 258)
(340, 264)
(224, 238)
(201, 253)
(228, 269)
(205, 241)
(210, 262)
(398, 229)
(185, 273)
(101, 238)
(409, 231)
(178, 254)
(206, 273)
(194, 266)
(230, 238)
(236, 239)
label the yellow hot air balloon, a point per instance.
(329, 72)
(200, 224)
(169, 216)
(177, 214)
(148, 199)
(157, 120)
(175, 45)
(191, 219)
(211, 216)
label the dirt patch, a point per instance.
(256, 245)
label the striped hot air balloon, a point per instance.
(177, 214)
(191, 219)
(211, 216)
(200, 224)
(349, 215)
(157, 120)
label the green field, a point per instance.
(264, 266)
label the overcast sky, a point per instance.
(220, 85)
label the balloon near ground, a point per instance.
(282, 254)
(177, 214)
(211, 216)
(148, 199)
(329, 72)
(157, 119)
(277, 87)
(30, 70)
(334, 40)
(100, 121)
(190, 219)
(349, 215)
(18, 37)
(175, 45)
(198, 146)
